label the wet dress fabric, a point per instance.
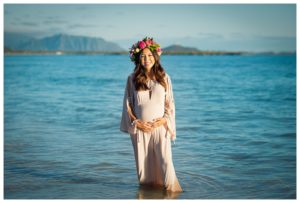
(152, 150)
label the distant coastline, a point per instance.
(31, 52)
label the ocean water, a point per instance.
(235, 115)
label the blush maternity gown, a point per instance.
(152, 150)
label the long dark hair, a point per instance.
(140, 78)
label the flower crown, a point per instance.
(147, 42)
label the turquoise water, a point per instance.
(236, 127)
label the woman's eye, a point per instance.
(145, 56)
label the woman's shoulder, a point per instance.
(167, 77)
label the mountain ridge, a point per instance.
(59, 42)
(179, 48)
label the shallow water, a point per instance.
(236, 128)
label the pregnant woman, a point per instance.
(149, 117)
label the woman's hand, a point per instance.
(158, 122)
(149, 126)
(144, 126)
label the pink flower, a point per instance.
(142, 44)
(149, 42)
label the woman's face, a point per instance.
(147, 59)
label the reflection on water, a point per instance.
(148, 192)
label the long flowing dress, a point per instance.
(152, 150)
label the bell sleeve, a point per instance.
(169, 113)
(127, 125)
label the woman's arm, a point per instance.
(170, 110)
(127, 114)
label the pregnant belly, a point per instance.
(150, 112)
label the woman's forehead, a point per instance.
(146, 51)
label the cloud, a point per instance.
(78, 25)
(29, 24)
(54, 30)
(109, 26)
(54, 21)
(210, 35)
(273, 38)
(237, 35)
(52, 17)
(29, 32)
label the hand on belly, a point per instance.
(149, 126)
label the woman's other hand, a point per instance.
(144, 126)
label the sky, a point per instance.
(227, 27)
